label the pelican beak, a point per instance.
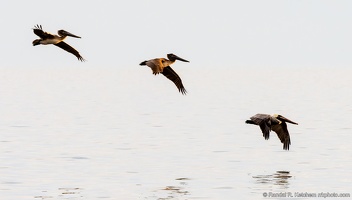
(69, 34)
(287, 120)
(181, 59)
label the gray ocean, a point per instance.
(112, 133)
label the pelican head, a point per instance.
(173, 57)
(66, 33)
(282, 118)
(275, 115)
(36, 42)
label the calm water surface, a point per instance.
(83, 133)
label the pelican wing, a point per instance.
(263, 120)
(70, 49)
(282, 133)
(40, 33)
(172, 75)
(155, 64)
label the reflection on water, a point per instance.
(64, 193)
(178, 191)
(70, 192)
(280, 178)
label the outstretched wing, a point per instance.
(263, 120)
(70, 49)
(38, 30)
(172, 75)
(282, 133)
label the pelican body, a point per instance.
(275, 122)
(57, 40)
(162, 65)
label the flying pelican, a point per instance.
(276, 123)
(162, 65)
(57, 40)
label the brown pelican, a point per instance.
(276, 123)
(57, 40)
(162, 65)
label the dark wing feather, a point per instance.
(70, 49)
(265, 130)
(263, 120)
(282, 133)
(40, 33)
(172, 75)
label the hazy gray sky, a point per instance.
(251, 33)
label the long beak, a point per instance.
(287, 120)
(70, 34)
(181, 59)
